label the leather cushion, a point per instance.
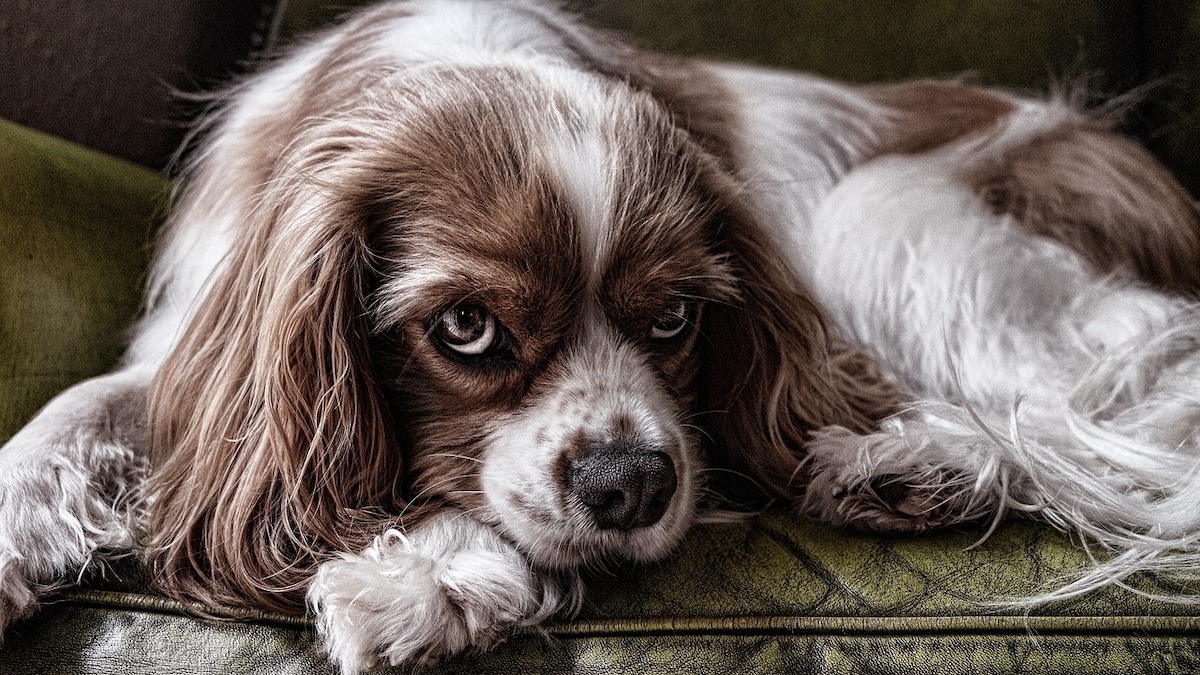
(774, 594)
(75, 227)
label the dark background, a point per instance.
(114, 75)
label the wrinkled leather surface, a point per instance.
(774, 594)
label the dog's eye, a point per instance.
(467, 329)
(674, 321)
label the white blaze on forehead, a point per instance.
(581, 161)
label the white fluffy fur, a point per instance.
(1048, 388)
(68, 484)
(1043, 387)
(453, 585)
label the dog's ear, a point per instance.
(270, 432)
(771, 372)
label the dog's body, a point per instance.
(457, 294)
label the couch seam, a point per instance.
(700, 625)
(881, 625)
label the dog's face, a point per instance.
(525, 291)
(548, 252)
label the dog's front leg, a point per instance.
(69, 483)
(451, 585)
(917, 473)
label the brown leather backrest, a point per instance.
(108, 74)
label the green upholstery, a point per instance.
(773, 594)
(74, 226)
(1016, 44)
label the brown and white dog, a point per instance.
(461, 296)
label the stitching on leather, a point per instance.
(161, 605)
(743, 625)
(889, 625)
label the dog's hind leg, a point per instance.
(913, 475)
(1042, 380)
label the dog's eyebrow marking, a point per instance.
(399, 294)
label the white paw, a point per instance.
(451, 586)
(69, 482)
(55, 514)
(880, 483)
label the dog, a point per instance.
(460, 297)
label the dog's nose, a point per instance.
(623, 484)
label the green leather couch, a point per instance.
(773, 594)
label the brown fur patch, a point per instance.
(1102, 195)
(1080, 184)
(930, 113)
(696, 100)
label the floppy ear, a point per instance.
(271, 436)
(771, 372)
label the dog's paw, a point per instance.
(878, 483)
(452, 586)
(60, 504)
(892, 503)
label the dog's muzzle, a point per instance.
(623, 484)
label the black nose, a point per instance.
(623, 484)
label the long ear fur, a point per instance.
(772, 373)
(272, 442)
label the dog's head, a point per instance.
(546, 247)
(530, 292)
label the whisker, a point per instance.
(456, 456)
